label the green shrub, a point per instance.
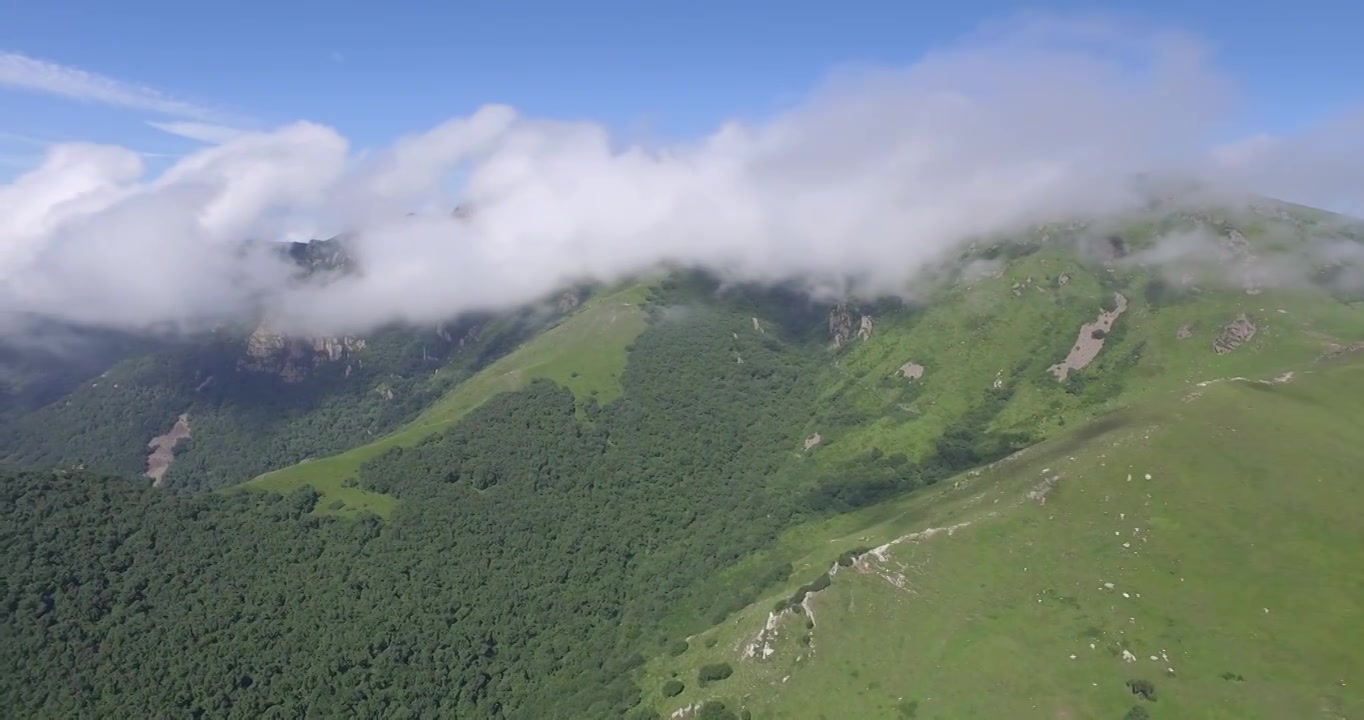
(1145, 688)
(715, 710)
(673, 688)
(714, 672)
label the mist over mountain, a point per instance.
(876, 175)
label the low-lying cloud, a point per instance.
(876, 175)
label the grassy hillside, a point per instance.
(984, 348)
(1008, 329)
(585, 353)
(1213, 528)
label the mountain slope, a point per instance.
(247, 399)
(1213, 530)
(586, 353)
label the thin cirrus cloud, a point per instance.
(873, 178)
(210, 133)
(193, 121)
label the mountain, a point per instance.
(243, 400)
(692, 498)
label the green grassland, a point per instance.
(1000, 329)
(585, 353)
(1009, 328)
(1223, 515)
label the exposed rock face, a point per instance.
(568, 301)
(813, 441)
(1235, 334)
(293, 357)
(163, 450)
(1184, 332)
(841, 324)
(758, 326)
(864, 327)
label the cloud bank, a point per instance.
(875, 175)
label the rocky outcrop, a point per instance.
(1234, 243)
(1184, 332)
(321, 256)
(568, 301)
(1234, 334)
(1018, 287)
(292, 358)
(864, 327)
(813, 441)
(841, 324)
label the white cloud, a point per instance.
(1323, 166)
(876, 175)
(203, 132)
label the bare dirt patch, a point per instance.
(163, 450)
(1090, 340)
(911, 370)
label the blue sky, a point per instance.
(649, 69)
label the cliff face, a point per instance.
(292, 358)
(842, 326)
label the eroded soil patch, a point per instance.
(1090, 340)
(163, 449)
